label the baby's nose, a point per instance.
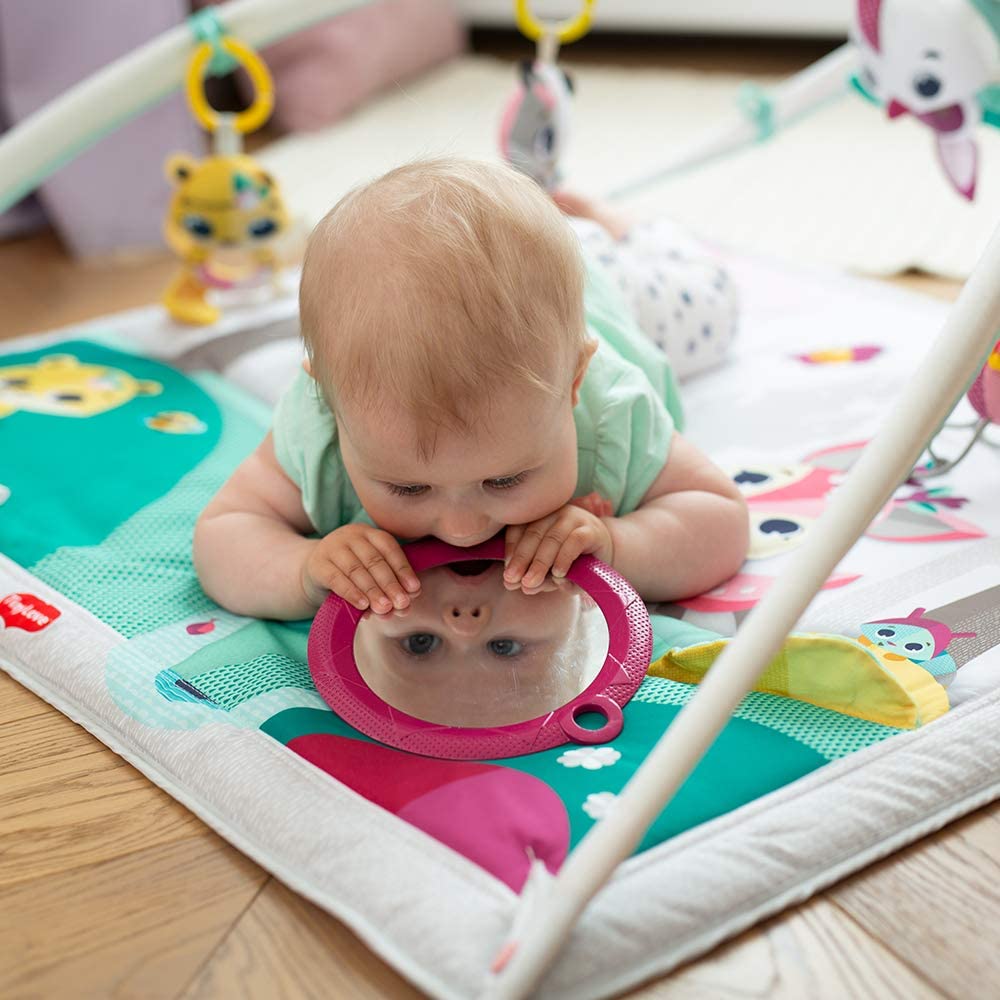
(462, 526)
(466, 619)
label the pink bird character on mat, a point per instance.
(938, 60)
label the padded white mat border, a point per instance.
(438, 918)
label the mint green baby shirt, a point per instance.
(625, 419)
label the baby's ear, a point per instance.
(586, 353)
(307, 367)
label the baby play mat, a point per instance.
(115, 434)
(844, 187)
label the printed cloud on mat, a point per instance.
(600, 804)
(589, 758)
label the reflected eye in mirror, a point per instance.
(473, 671)
(505, 647)
(420, 644)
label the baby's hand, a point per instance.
(552, 544)
(363, 565)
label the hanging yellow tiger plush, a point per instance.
(223, 207)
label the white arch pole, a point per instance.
(960, 350)
(41, 144)
(790, 100)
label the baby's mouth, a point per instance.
(473, 570)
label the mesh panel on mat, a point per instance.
(141, 577)
(830, 734)
(236, 683)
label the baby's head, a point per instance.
(442, 309)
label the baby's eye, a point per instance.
(505, 482)
(411, 490)
(420, 643)
(505, 647)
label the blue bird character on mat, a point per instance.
(920, 640)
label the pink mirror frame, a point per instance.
(630, 643)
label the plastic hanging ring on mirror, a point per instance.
(263, 99)
(601, 705)
(566, 31)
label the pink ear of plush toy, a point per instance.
(325, 71)
(985, 392)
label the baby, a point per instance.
(467, 374)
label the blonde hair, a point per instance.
(438, 284)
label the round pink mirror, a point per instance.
(474, 671)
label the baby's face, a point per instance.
(518, 465)
(468, 652)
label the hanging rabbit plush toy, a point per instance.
(535, 126)
(938, 60)
(534, 129)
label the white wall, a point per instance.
(750, 17)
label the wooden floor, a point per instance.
(109, 888)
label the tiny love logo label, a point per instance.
(27, 612)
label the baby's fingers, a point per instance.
(511, 539)
(369, 571)
(545, 556)
(573, 547)
(396, 559)
(525, 551)
(340, 584)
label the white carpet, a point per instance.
(845, 188)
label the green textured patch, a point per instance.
(74, 479)
(118, 541)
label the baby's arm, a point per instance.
(251, 555)
(690, 532)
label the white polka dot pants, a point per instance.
(679, 295)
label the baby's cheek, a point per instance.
(545, 498)
(401, 523)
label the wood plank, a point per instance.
(937, 905)
(67, 801)
(42, 287)
(17, 702)
(929, 284)
(137, 926)
(815, 951)
(284, 946)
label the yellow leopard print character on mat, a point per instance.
(60, 386)
(224, 219)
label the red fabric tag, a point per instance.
(27, 612)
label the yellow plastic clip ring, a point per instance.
(263, 101)
(565, 31)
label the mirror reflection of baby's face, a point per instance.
(468, 652)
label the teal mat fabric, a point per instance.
(102, 508)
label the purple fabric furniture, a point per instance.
(328, 70)
(113, 196)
